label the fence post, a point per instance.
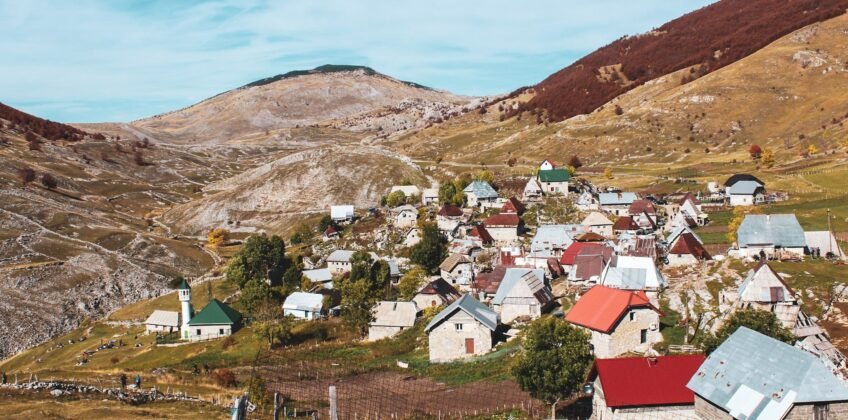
(334, 414)
(276, 406)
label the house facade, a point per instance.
(770, 235)
(464, 329)
(163, 322)
(616, 203)
(457, 269)
(435, 293)
(503, 228)
(522, 294)
(479, 193)
(405, 216)
(532, 191)
(390, 318)
(686, 249)
(598, 223)
(304, 305)
(619, 321)
(216, 320)
(554, 181)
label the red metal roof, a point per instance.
(573, 250)
(689, 196)
(503, 219)
(625, 223)
(513, 206)
(642, 206)
(601, 307)
(480, 232)
(642, 381)
(449, 210)
(687, 244)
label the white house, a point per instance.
(522, 294)
(448, 219)
(532, 190)
(163, 321)
(216, 320)
(823, 243)
(550, 241)
(320, 275)
(598, 223)
(479, 193)
(405, 216)
(391, 318)
(338, 262)
(586, 201)
(547, 165)
(503, 227)
(457, 269)
(342, 213)
(745, 193)
(770, 235)
(412, 237)
(430, 196)
(304, 305)
(435, 293)
(617, 203)
(554, 181)
(462, 330)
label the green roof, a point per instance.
(215, 313)
(554, 175)
(183, 285)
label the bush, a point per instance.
(26, 175)
(228, 342)
(49, 181)
(224, 378)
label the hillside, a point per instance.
(710, 38)
(786, 96)
(347, 98)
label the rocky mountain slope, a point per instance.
(709, 38)
(347, 98)
(786, 96)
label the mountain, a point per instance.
(710, 38)
(45, 128)
(349, 98)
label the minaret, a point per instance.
(185, 300)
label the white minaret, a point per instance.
(185, 300)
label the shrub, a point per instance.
(49, 181)
(26, 175)
(224, 378)
(228, 342)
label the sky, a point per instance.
(120, 60)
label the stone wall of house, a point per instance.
(603, 230)
(377, 332)
(676, 260)
(337, 267)
(626, 335)
(423, 301)
(806, 411)
(503, 234)
(514, 308)
(600, 411)
(708, 411)
(447, 343)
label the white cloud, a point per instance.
(96, 60)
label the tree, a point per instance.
(271, 325)
(767, 158)
(49, 181)
(812, 149)
(411, 282)
(554, 361)
(396, 198)
(485, 175)
(325, 222)
(739, 213)
(575, 162)
(755, 151)
(448, 193)
(608, 173)
(26, 175)
(259, 258)
(431, 249)
(764, 322)
(218, 236)
(357, 302)
(254, 293)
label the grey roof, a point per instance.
(611, 199)
(318, 275)
(630, 272)
(750, 374)
(472, 307)
(745, 188)
(550, 237)
(513, 276)
(340, 255)
(481, 189)
(777, 229)
(166, 318)
(394, 314)
(304, 301)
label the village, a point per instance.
(492, 264)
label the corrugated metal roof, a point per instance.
(394, 314)
(644, 381)
(166, 318)
(750, 361)
(481, 189)
(550, 237)
(601, 307)
(216, 313)
(777, 229)
(623, 198)
(554, 175)
(745, 188)
(513, 276)
(304, 301)
(632, 273)
(472, 307)
(318, 275)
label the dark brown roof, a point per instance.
(589, 237)
(642, 206)
(442, 288)
(504, 219)
(513, 206)
(449, 210)
(688, 244)
(489, 282)
(625, 223)
(689, 196)
(480, 231)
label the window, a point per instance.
(458, 327)
(643, 336)
(632, 315)
(198, 331)
(220, 331)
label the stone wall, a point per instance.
(600, 411)
(835, 411)
(626, 335)
(708, 411)
(377, 332)
(447, 343)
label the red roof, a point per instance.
(642, 206)
(588, 266)
(513, 206)
(689, 196)
(480, 232)
(573, 250)
(643, 381)
(330, 230)
(503, 219)
(625, 223)
(687, 244)
(449, 210)
(602, 307)
(489, 282)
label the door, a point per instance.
(469, 346)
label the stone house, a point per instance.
(448, 219)
(412, 237)
(770, 235)
(686, 249)
(765, 290)
(522, 294)
(216, 320)
(625, 225)
(598, 223)
(644, 387)
(405, 216)
(619, 321)
(616, 203)
(463, 330)
(391, 318)
(338, 262)
(503, 227)
(457, 269)
(479, 193)
(753, 376)
(435, 293)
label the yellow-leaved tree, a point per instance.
(739, 213)
(608, 173)
(767, 158)
(218, 236)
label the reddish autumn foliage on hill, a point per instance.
(45, 128)
(711, 37)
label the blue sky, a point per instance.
(90, 61)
